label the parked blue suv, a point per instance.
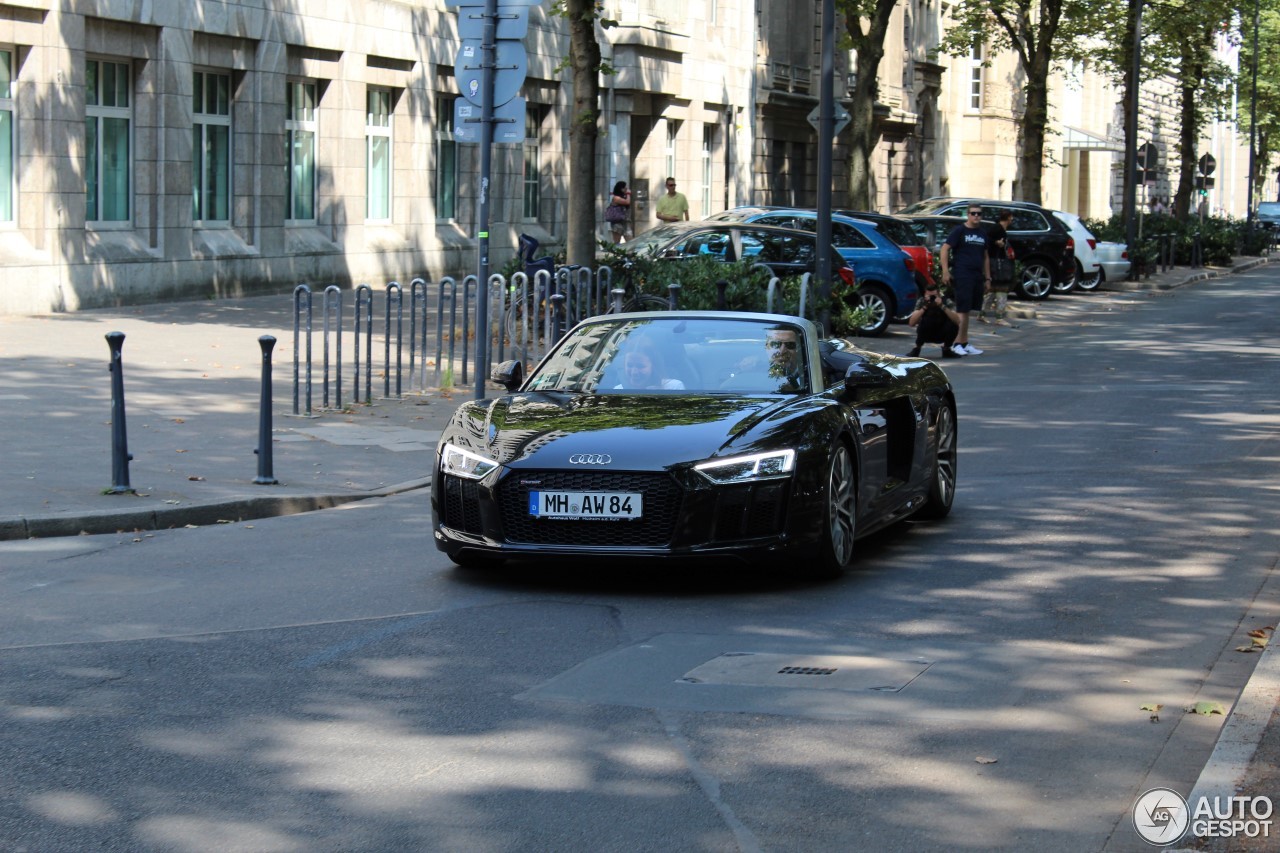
(886, 274)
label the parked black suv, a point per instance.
(1042, 243)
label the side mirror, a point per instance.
(861, 375)
(508, 374)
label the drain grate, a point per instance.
(806, 670)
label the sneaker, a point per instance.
(983, 319)
(914, 352)
(970, 349)
(956, 349)
(950, 353)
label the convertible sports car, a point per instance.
(682, 433)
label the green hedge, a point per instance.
(1222, 237)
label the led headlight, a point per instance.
(463, 463)
(744, 469)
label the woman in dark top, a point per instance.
(995, 303)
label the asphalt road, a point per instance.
(328, 681)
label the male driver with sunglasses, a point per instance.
(967, 268)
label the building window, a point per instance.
(673, 133)
(446, 161)
(975, 78)
(377, 134)
(211, 148)
(532, 163)
(7, 172)
(108, 129)
(708, 144)
(300, 131)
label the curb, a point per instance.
(1203, 275)
(1242, 731)
(219, 512)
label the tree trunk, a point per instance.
(864, 134)
(584, 130)
(1188, 135)
(1033, 123)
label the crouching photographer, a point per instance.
(935, 321)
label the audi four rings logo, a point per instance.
(590, 459)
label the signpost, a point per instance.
(490, 69)
(1204, 183)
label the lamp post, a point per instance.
(1253, 124)
(1131, 143)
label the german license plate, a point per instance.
(585, 505)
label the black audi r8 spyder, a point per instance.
(684, 433)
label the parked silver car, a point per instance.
(1113, 261)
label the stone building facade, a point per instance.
(218, 147)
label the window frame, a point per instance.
(294, 125)
(445, 174)
(204, 120)
(99, 112)
(372, 132)
(9, 104)
(532, 151)
(977, 81)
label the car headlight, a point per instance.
(744, 469)
(463, 463)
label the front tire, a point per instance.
(840, 524)
(942, 489)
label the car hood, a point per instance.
(639, 431)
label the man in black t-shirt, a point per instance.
(966, 267)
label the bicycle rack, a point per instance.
(449, 294)
(418, 296)
(301, 295)
(333, 310)
(364, 303)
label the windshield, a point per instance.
(678, 354)
(650, 241)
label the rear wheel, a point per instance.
(1088, 283)
(877, 301)
(647, 302)
(942, 490)
(1037, 280)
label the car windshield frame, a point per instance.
(712, 354)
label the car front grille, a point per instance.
(662, 499)
(461, 504)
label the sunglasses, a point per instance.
(781, 344)
(975, 213)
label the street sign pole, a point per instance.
(826, 136)
(489, 51)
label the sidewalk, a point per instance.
(192, 378)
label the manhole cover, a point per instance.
(821, 672)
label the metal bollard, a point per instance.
(673, 300)
(721, 300)
(557, 308)
(265, 477)
(470, 284)
(120, 457)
